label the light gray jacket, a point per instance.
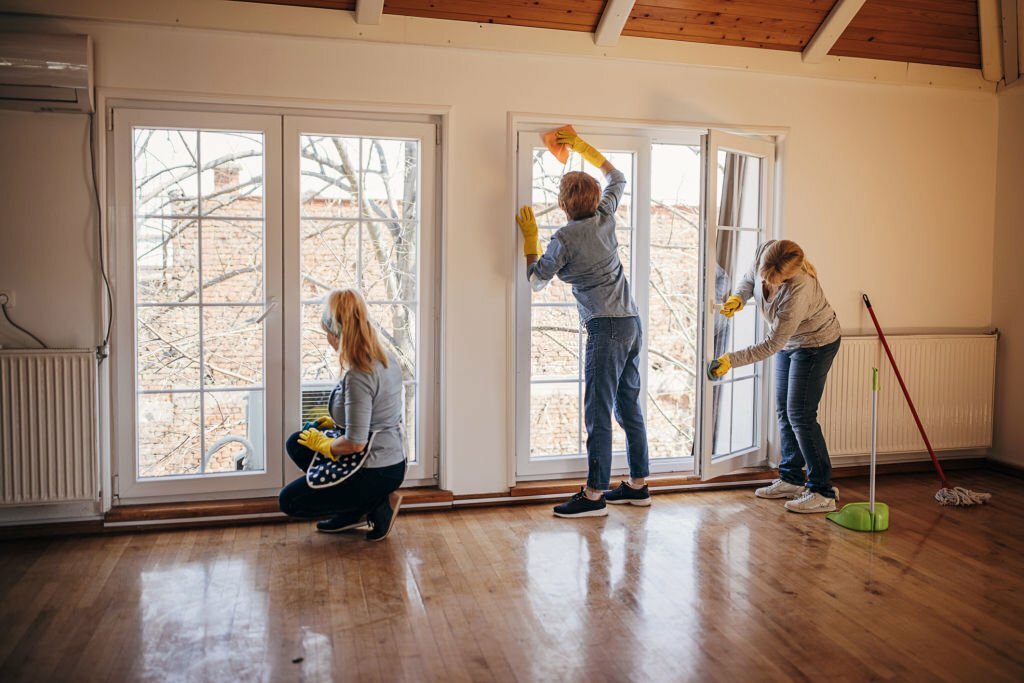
(798, 316)
(365, 402)
(585, 254)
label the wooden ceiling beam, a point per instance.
(830, 30)
(989, 20)
(369, 11)
(613, 19)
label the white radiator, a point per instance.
(48, 427)
(950, 378)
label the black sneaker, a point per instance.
(382, 518)
(341, 523)
(581, 506)
(627, 495)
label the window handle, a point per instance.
(271, 305)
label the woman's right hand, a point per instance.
(732, 305)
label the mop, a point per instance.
(948, 494)
(868, 516)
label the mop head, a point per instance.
(961, 497)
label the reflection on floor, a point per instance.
(701, 586)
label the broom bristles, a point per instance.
(962, 497)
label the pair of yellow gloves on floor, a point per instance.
(525, 218)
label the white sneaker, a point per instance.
(779, 489)
(811, 502)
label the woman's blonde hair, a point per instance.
(782, 260)
(345, 316)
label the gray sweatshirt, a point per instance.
(585, 254)
(366, 402)
(798, 316)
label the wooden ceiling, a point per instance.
(941, 32)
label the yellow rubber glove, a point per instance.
(325, 422)
(732, 305)
(581, 147)
(718, 367)
(528, 226)
(315, 440)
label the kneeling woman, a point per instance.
(367, 400)
(804, 336)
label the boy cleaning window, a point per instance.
(585, 255)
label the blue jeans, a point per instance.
(356, 496)
(799, 382)
(612, 375)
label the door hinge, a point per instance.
(437, 134)
(116, 486)
(110, 118)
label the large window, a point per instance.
(360, 226)
(231, 229)
(663, 240)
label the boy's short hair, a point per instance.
(579, 195)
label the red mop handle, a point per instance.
(903, 386)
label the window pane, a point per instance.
(547, 174)
(410, 422)
(673, 307)
(232, 177)
(389, 261)
(744, 411)
(738, 190)
(234, 431)
(166, 172)
(329, 185)
(330, 256)
(167, 260)
(397, 326)
(319, 361)
(390, 171)
(555, 342)
(232, 346)
(232, 261)
(554, 419)
(167, 340)
(168, 434)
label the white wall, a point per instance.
(47, 230)
(1007, 281)
(889, 188)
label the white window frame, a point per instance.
(525, 136)
(425, 469)
(121, 111)
(710, 467)
(128, 486)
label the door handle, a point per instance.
(271, 305)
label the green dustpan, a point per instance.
(858, 516)
(870, 516)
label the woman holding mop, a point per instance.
(804, 336)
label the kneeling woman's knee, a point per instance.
(292, 444)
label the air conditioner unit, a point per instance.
(44, 72)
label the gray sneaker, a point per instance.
(811, 502)
(779, 489)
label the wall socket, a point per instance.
(7, 297)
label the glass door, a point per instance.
(738, 201)
(360, 213)
(198, 343)
(551, 435)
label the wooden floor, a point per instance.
(712, 586)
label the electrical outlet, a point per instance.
(7, 297)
